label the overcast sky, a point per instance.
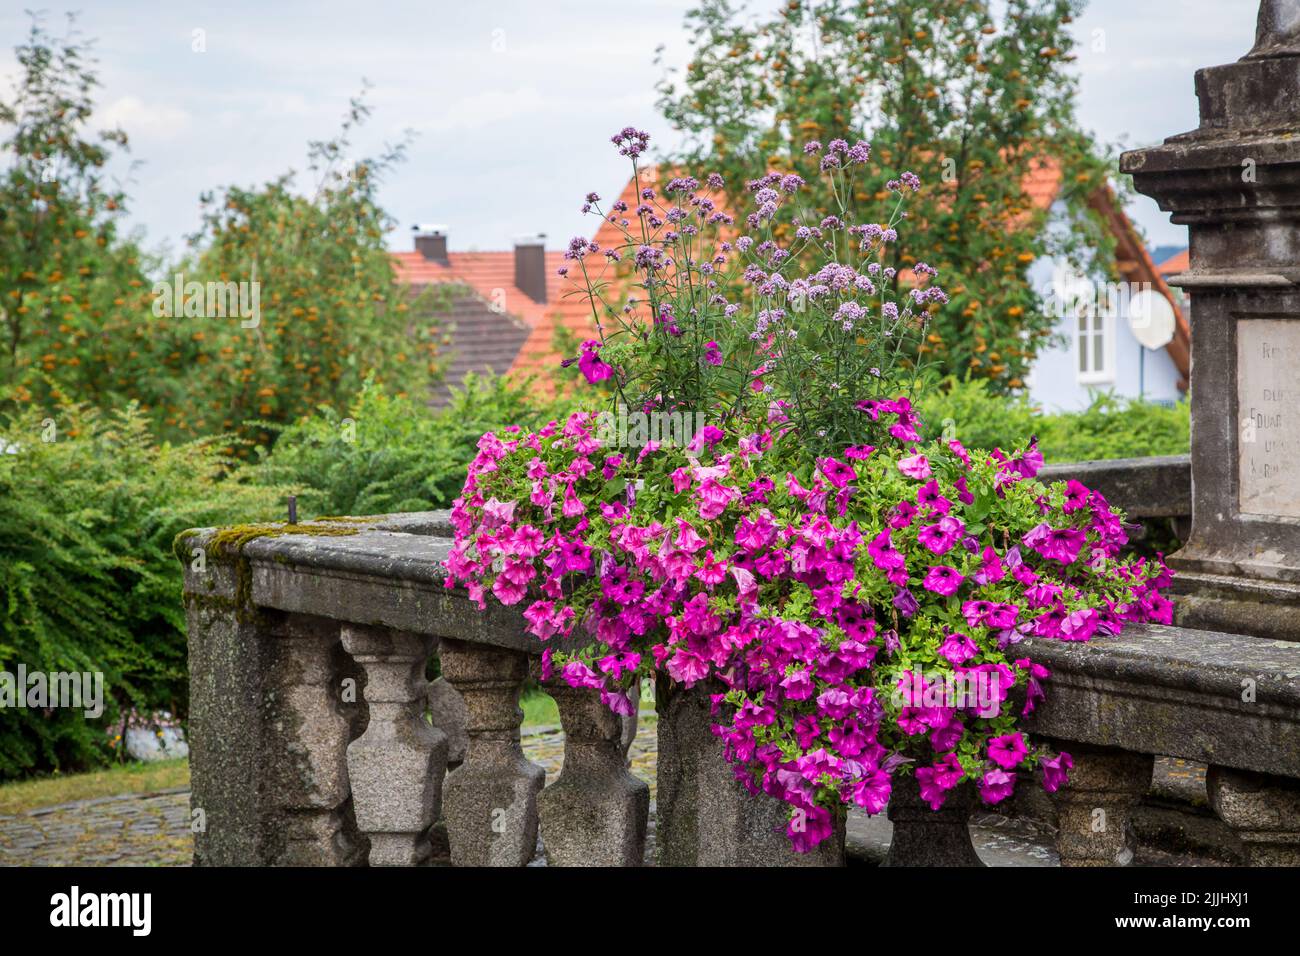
(513, 101)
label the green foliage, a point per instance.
(89, 507)
(1110, 427)
(388, 453)
(330, 311)
(73, 291)
(970, 96)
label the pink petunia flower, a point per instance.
(915, 466)
(943, 580)
(1008, 750)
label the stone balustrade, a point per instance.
(317, 737)
(1226, 700)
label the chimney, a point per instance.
(431, 242)
(530, 266)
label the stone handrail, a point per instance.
(1158, 487)
(1225, 700)
(316, 737)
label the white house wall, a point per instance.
(1133, 370)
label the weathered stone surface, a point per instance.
(705, 816)
(434, 523)
(267, 732)
(630, 723)
(1263, 811)
(1199, 695)
(396, 767)
(1094, 809)
(490, 800)
(1277, 30)
(305, 743)
(925, 837)
(595, 813)
(1158, 487)
(228, 659)
(448, 713)
(1235, 181)
(389, 579)
(1232, 603)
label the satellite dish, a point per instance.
(1151, 318)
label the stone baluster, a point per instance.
(595, 813)
(628, 724)
(307, 746)
(1094, 810)
(447, 712)
(704, 816)
(490, 801)
(925, 837)
(398, 764)
(1263, 811)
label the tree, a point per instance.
(73, 289)
(969, 100)
(329, 308)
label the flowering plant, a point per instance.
(854, 612)
(803, 305)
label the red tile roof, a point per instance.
(1179, 262)
(491, 275)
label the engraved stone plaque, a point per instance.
(1268, 395)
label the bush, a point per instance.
(89, 506)
(387, 453)
(1111, 427)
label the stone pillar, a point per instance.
(229, 659)
(595, 813)
(704, 817)
(397, 765)
(268, 729)
(307, 746)
(490, 800)
(1262, 810)
(925, 837)
(1094, 810)
(1235, 182)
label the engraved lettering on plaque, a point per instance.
(1268, 395)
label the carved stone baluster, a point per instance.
(490, 802)
(398, 764)
(308, 738)
(1094, 809)
(595, 813)
(704, 817)
(447, 710)
(925, 837)
(1262, 810)
(629, 724)
(448, 713)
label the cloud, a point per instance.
(489, 108)
(144, 121)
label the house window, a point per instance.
(1093, 347)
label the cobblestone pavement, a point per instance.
(133, 830)
(153, 829)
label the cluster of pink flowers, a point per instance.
(830, 608)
